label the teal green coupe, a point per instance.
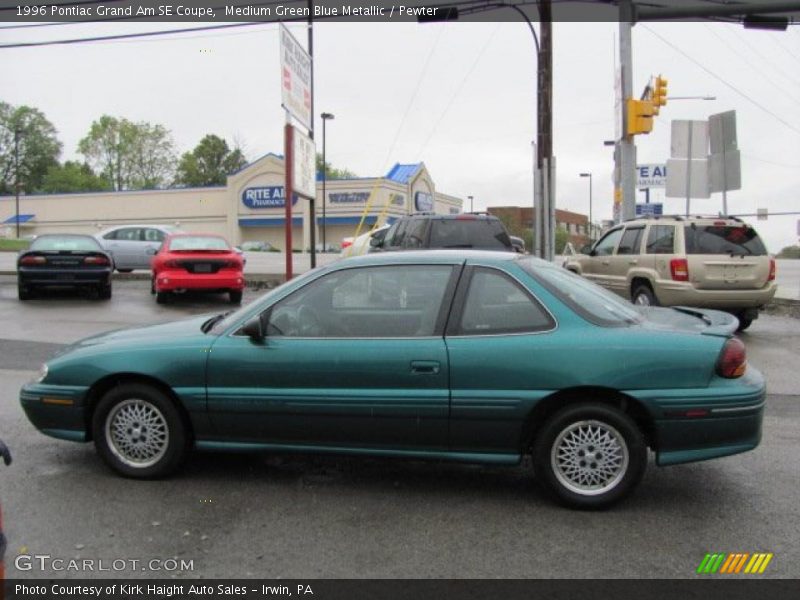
(461, 355)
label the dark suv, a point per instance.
(428, 230)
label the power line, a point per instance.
(771, 162)
(721, 80)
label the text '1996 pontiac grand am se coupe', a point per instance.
(462, 355)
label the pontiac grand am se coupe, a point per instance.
(462, 355)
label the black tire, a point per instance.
(136, 448)
(124, 270)
(24, 292)
(235, 297)
(162, 297)
(643, 295)
(104, 292)
(153, 286)
(744, 323)
(623, 455)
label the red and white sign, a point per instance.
(296, 78)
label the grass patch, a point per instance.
(13, 245)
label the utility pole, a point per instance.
(16, 172)
(545, 163)
(312, 213)
(627, 147)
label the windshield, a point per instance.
(65, 243)
(197, 242)
(590, 301)
(723, 239)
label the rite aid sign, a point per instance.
(651, 176)
(272, 196)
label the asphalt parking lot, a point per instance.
(309, 517)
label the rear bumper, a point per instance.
(676, 293)
(72, 277)
(168, 281)
(729, 421)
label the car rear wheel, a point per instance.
(643, 295)
(139, 432)
(744, 323)
(162, 297)
(235, 297)
(104, 292)
(590, 455)
(124, 270)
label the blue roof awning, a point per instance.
(402, 173)
(368, 220)
(14, 219)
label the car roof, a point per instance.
(62, 235)
(454, 256)
(152, 225)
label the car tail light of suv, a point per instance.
(771, 269)
(732, 360)
(679, 269)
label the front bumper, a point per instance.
(676, 293)
(721, 420)
(168, 281)
(57, 411)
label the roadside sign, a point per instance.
(689, 139)
(687, 179)
(722, 131)
(651, 176)
(725, 171)
(305, 166)
(295, 78)
(762, 214)
(653, 209)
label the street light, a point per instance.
(471, 207)
(325, 116)
(591, 225)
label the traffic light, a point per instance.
(640, 116)
(660, 93)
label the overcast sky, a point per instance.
(458, 96)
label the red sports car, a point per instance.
(197, 261)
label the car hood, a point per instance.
(689, 319)
(159, 333)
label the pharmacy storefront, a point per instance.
(250, 207)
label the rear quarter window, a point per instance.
(723, 239)
(469, 233)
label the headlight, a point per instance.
(41, 374)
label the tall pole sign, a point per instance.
(296, 100)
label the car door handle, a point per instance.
(425, 367)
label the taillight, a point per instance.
(96, 260)
(732, 360)
(771, 270)
(679, 268)
(32, 260)
(346, 244)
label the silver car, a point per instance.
(133, 246)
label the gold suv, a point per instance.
(710, 262)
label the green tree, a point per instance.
(39, 147)
(209, 163)
(789, 252)
(562, 237)
(332, 172)
(73, 177)
(129, 155)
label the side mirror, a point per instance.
(586, 249)
(254, 329)
(375, 242)
(151, 251)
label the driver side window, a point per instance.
(371, 302)
(605, 247)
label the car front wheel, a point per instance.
(138, 432)
(590, 455)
